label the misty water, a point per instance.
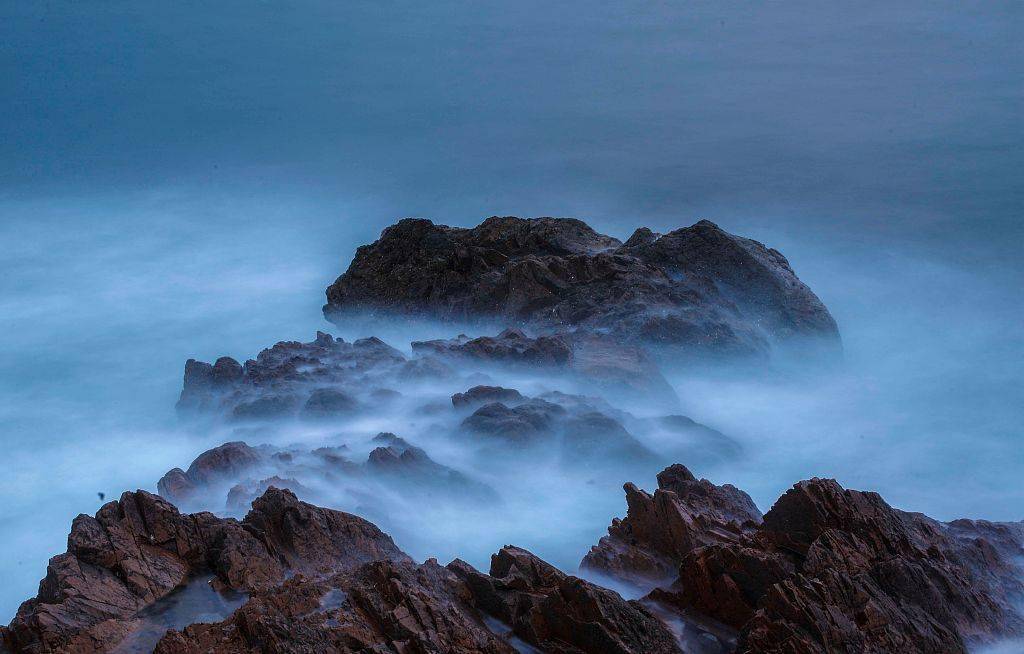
(177, 183)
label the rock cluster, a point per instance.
(699, 288)
(244, 472)
(685, 513)
(828, 569)
(330, 378)
(139, 549)
(319, 580)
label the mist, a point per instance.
(177, 183)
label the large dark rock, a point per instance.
(698, 288)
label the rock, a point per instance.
(266, 408)
(594, 436)
(700, 439)
(323, 378)
(176, 486)
(383, 606)
(511, 346)
(134, 552)
(522, 424)
(313, 540)
(828, 569)
(204, 382)
(407, 468)
(140, 548)
(620, 369)
(221, 464)
(556, 612)
(241, 496)
(479, 395)
(647, 546)
(329, 402)
(697, 288)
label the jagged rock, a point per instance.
(556, 612)
(827, 569)
(140, 548)
(317, 580)
(381, 607)
(479, 395)
(511, 346)
(658, 531)
(203, 381)
(698, 287)
(322, 378)
(241, 496)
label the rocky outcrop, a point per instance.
(316, 580)
(523, 605)
(325, 378)
(556, 612)
(698, 288)
(647, 546)
(828, 569)
(479, 395)
(511, 346)
(603, 362)
(220, 464)
(383, 606)
(137, 550)
(244, 473)
(331, 379)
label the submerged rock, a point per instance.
(698, 288)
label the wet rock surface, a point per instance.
(139, 549)
(828, 569)
(698, 288)
(659, 530)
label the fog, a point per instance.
(184, 182)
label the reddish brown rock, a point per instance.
(140, 548)
(223, 464)
(831, 569)
(556, 612)
(647, 546)
(388, 606)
